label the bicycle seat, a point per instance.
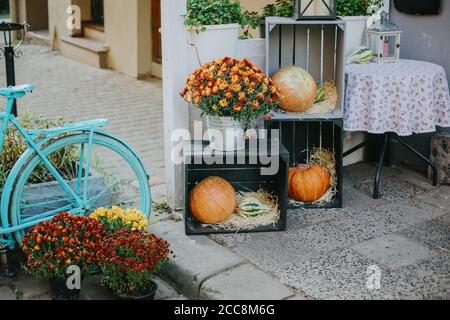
(81, 126)
(16, 91)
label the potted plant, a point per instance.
(355, 14)
(232, 94)
(67, 241)
(281, 8)
(133, 259)
(214, 25)
(117, 218)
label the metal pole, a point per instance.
(10, 73)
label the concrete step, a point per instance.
(87, 51)
(94, 32)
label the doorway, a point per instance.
(97, 12)
(156, 34)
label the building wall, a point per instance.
(144, 39)
(57, 19)
(127, 30)
(423, 38)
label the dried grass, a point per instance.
(239, 222)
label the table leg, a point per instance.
(359, 146)
(376, 183)
(421, 156)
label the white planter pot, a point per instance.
(215, 42)
(355, 33)
(225, 134)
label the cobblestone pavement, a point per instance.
(397, 247)
(25, 288)
(77, 92)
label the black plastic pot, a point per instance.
(60, 291)
(146, 295)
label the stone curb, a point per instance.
(202, 269)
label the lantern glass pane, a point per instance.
(389, 46)
(317, 7)
(374, 44)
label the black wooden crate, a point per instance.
(302, 137)
(242, 171)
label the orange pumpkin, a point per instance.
(298, 90)
(212, 201)
(308, 184)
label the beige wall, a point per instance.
(57, 19)
(145, 38)
(127, 30)
(255, 5)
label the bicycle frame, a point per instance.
(77, 203)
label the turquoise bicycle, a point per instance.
(75, 168)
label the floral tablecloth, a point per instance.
(405, 97)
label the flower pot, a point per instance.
(355, 33)
(215, 42)
(60, 291)
(51, 193)
(225, 134)
(146, 295)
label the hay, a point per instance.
(326, 159)
(239, 222)
(330, 102)
(326, 106)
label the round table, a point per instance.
(396, 99)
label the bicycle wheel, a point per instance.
(116, 178)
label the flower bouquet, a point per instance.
(233, 94)
(65, 244)
(133, 259)
(117, 218)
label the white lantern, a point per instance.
(383, 38)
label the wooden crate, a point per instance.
(301, 137)
(242, 171)
(316, 46)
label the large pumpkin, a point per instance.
(308, 184)
(298, 90)
(212, 201)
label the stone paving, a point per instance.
(331, 254)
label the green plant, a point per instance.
(281, 8)
(133, 259)
(15, 146)
(358, 7)
(202, 13)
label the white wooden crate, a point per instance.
(316, 46)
